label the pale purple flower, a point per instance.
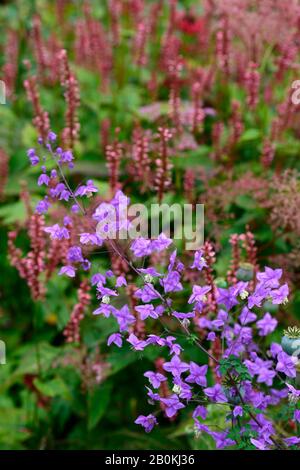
(147, 293)
(197, 374)
(199, 262)
(68, 271)
(172, 405)
(182, 316)
(211, 336)
(286, 364)
(146, 311)
(90, 238)
(280, 295)
(237, 411)
(292, 441)
(155, 378)
(216, 393)
(148, 422)
(121, 281)
(115, 338)
(75, 254)
(297, 415)
(137, 344)
(247, 316)
(171, 283)
(57, 233)
(124, 318)
(141, 247)
(200, 411)
(199, 294)
(161, 243)
(176, 366)
(261, 445)
(86, 190)
(270, 277)
(43, 179)
(266, 325)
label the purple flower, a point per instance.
(92, 238)
(171, 283)
(260, 294)
(68, 271)
(293, 392)
(216, 393)
(115, 338)
(176, 366)
(199, 262)
(261, 445)
(280, 295)
(237, 411)
(96, 278)
(270, 277)
(75, 254)
(286, 364)
(211, 336)
(172, 405)
(43, 206)
(147, 293)
(57, 232)
(124, 318)
(247, 316)
(146, 311)
(52, 136)
(121, 281)
(197, 374)
(292, 441)
(86, 190)
(137, 344)
(43, 179)
(182, 316)
(148, 422)
(155, 378)
(200, 411)
(297, 415)
(141, 247)
(221, 439)
(266, 325)
(199, 294)
(161, 243)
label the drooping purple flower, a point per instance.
(197, 374)
(176, 366)
(182, 316)
(57, 233)
(155, 378)
(43, 206)
(211, 336)
(200, 411)
(68, 271)
(286, 364)
(96, 278)
(115, 338)
(52, 136)
(215, 393)
(148, 422)
(237, 411)
(172, 405)
(266, 325)
(43, 179)
(261, 445)
(137, 344)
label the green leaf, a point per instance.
(98, 400)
